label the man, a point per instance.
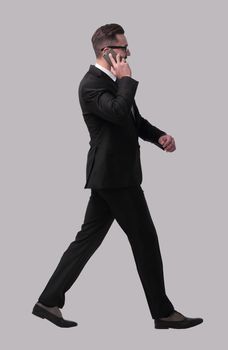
(114, 175)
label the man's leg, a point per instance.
(97, 221)
(129, 208)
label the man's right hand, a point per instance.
(119, 68)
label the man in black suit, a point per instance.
(114, 175)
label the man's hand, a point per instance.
(120, 68)
(168, 142)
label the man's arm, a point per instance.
(101, 102)
(147, 131)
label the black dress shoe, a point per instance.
(58, 321)
(187, 322)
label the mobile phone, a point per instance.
(106, 55)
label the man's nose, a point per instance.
(128, 52)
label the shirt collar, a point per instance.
(112, 76)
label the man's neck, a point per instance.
(104, 64)
(105, 70)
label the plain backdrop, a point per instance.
(179, 56)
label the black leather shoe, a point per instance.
(58, 321)
(187, 322)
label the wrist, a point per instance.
(125, 76)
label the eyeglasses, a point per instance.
(125, 48)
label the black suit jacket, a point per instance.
(113, 159)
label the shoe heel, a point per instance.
(159, 325)
(38, 312)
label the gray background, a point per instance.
(179, 56)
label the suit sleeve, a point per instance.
(110, 107)
(147, 131)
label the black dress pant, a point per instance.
(128, 206)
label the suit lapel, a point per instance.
(133, 113)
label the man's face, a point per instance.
(121, 40)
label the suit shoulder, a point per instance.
(89, 81)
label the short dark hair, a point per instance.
(105, 36)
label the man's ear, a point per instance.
(104, 50)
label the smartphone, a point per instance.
(106, 55)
